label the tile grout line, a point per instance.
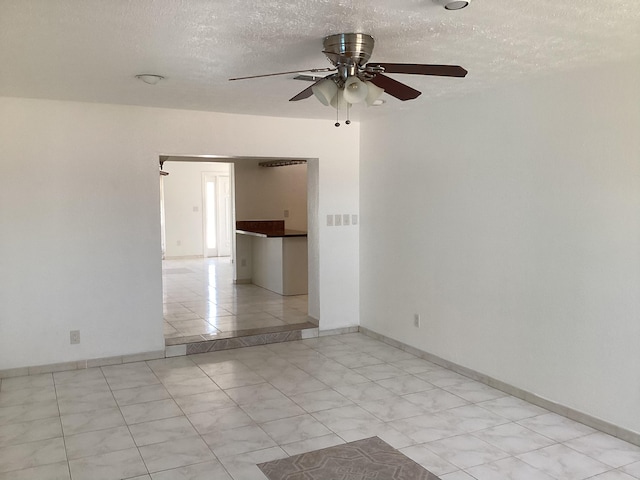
(64, 440)
(187, 418)
(125, 420)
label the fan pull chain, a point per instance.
(338, 113)
(348, 122)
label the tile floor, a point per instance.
(215, 415)
(202, 302)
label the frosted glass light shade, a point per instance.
(325, 91)
(373, 93)
(355, 90)
(339, 101)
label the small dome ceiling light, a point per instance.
(453, 4)
(150, 78)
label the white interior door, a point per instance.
(210, 214)
(224, 216)
(217, 215)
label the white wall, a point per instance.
(264, 193)
(183, 206)
(80, 228)
(511, 222)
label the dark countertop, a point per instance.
(287, 233)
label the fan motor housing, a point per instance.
(349, 48)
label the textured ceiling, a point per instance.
(90, 50)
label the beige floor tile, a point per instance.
(91, 421)
(176, 453)
(295, 429)
(109, 466)
(146, 412)
(28, 412)
(33, 454)
(238, 440)
(149, 393)
(203, 402)
(25, 432)
(98, 443)
(159, 431)
(312, 444)
(54, 471)
(220, 419)
(202, 471)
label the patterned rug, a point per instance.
(368, 459)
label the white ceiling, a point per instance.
(90, 50)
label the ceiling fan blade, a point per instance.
(394, 88)
(423, 69)
(313, 70)
(307, 92)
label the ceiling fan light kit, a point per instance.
(355, 90)
(325, 90)
(356, 81)
(373, 94)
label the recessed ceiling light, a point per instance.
(453, 4)
(149, 78)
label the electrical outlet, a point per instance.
(243, 262)
(196, 209)
(354, 219)
(286, 214)
(74, 337)
(329, 220)
(416, 320)
(345, 219)
(338, 220)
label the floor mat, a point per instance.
(368, 459)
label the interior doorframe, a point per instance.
(313, 225)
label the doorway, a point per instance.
(203, 298)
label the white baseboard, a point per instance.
(81, 364)
(581, 417)
(337, 331)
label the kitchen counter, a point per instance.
(285, 233)
(272, 257)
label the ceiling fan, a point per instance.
(355, 80)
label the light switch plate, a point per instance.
(346, 219)
(338, 220)
(329, 220)
(354, 219)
